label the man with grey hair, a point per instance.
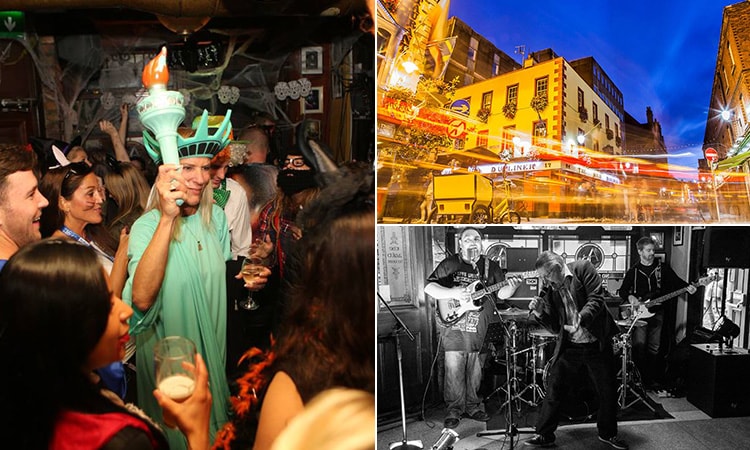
(571, 305)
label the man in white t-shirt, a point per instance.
(231, 197)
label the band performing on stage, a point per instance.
(541, 327)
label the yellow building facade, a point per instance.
(572, 110)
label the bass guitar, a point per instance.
(451, 310)
(645, 303)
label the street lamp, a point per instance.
(581, 138)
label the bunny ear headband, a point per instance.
(60, 157)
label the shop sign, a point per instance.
(12, 24)
(456, 129)
(529, 166)
(386, 129)
(591, 173)
(430, 120)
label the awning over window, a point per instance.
(733, 162)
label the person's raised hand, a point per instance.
(191, 416)
(170, 185)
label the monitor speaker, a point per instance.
(716, 381)
(726, 247)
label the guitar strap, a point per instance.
(657, 272)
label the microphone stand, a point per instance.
(398, 328)
(511, 430)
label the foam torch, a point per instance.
(161, 112)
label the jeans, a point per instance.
(646, 348)
(601, 371)
(463, 375)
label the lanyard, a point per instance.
(81, 240)
(75, 236)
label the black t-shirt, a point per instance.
(468, 333)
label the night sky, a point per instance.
(660, 53)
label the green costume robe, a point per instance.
(190, 303)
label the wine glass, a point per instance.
(174, 363)
(252, 266)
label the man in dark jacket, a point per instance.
(572, 306)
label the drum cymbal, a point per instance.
(514, 313)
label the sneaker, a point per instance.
(540, 441)
(481, 416)
(450, 422)
(615, 443)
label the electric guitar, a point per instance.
(451, 310)
(643, 305)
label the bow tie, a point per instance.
(221, 194)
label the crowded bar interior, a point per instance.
(172, 174)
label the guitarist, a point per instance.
(648, 278)
(463, 340)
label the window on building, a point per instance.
(606, 121)
(617, 129)
(496, 65)
(540, 132)
(487, 100)
(595, 147)
(482, 138)
(512, 95)
(726, 80)
(595, 112)
(580, 99)
(541, 87)
(384, 37)
(508, 134)
(581, 137)
(731, 55)
(472, 55)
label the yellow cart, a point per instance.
(463, 198)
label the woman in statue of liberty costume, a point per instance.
(176, 256)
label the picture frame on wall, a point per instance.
(661, 257)
(312, 130)
(313, 103)
(658, 237)
(677, 236)
(311, 60)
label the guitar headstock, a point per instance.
(703, 281)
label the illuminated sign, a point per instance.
(592, 173)
(529, 166)
(12, 24)
(533, 166)
(461, 107)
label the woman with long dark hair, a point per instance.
(52, 292)
(327, 333)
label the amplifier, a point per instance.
(717, 380)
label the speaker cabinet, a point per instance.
(717, 380)
(726, 247)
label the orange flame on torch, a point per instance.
(155, 72)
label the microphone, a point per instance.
(473, 254)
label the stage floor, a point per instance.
(689, 429)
